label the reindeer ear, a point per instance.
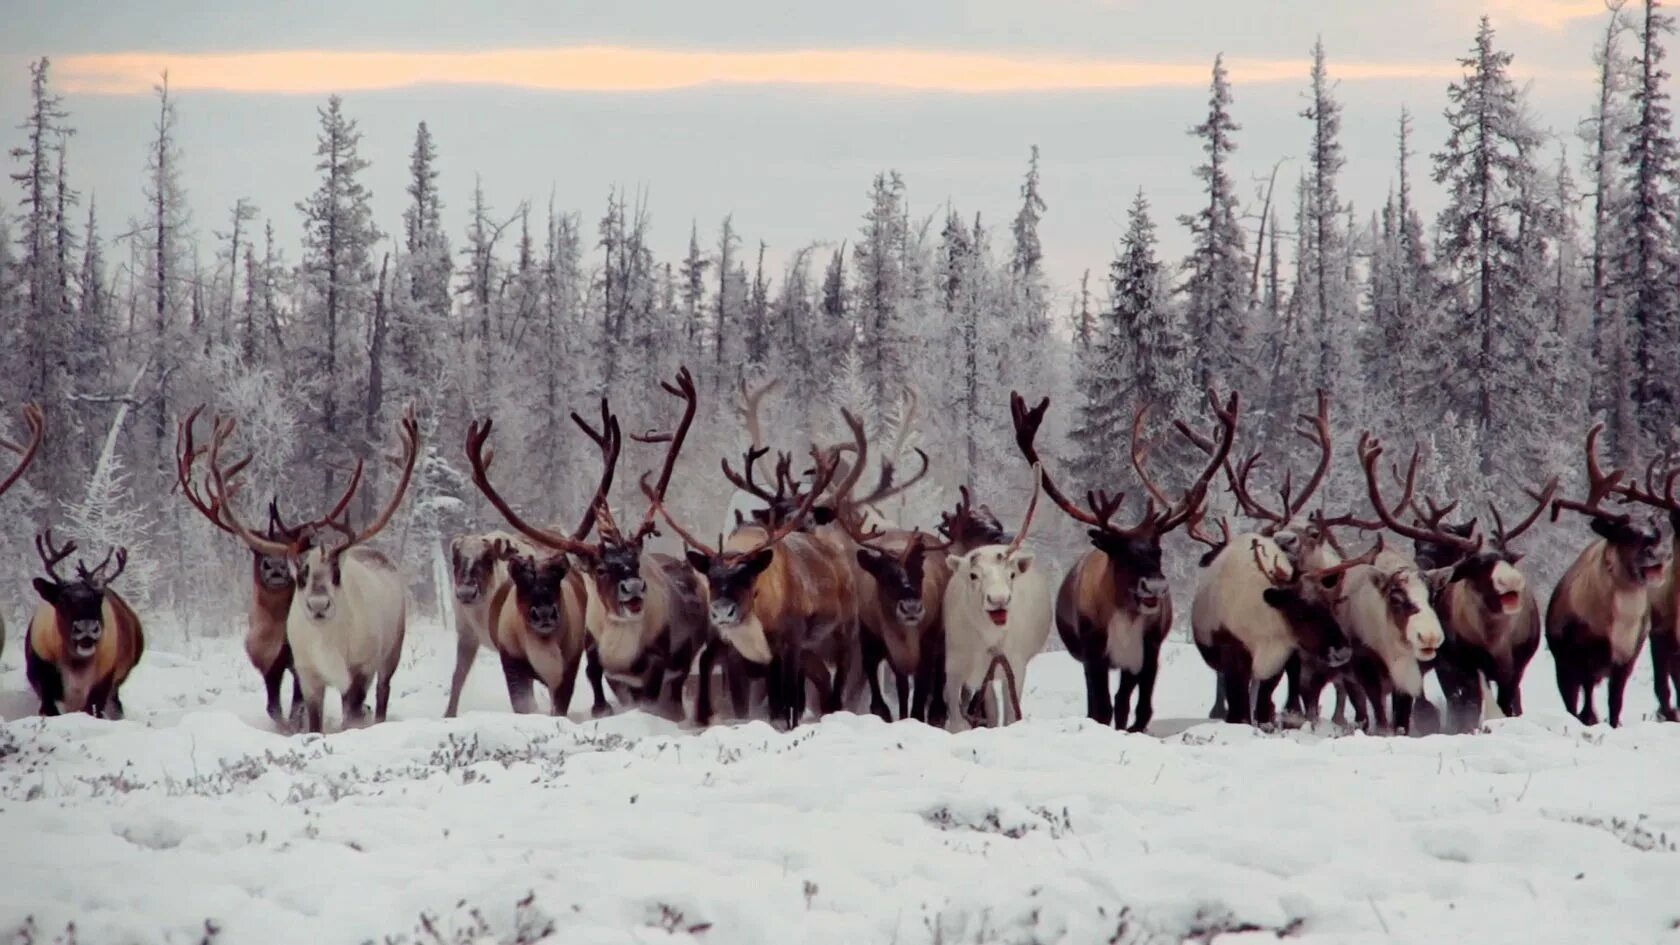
(822, 515)
(760, 560)
(700, 562)
(1281, 598)
(1023, 561)
(868, 560)
(1605, 528)
(955, 563)
(49, 590)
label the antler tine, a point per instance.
(335, 515)
(747, 484)
(1139, 449)
(610, 440)
(1178, 514)
(1370, 450)
(790, 524)
(1316, 432)
(1542, 498)
(684, 390)
(1600, 485)
(1026, 424)
(35, 422)
(887, 489)
(1032, 507)
(50, 555)
(1273, 573)
(749, 403)
(186, 456)
(409, 430)
(222, 496)
(860, 444)
(1651, 495)
(478, 433)
(1193, 528)
(1369, 557)
(659, 508)
(1239, 488)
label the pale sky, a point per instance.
(778, 113)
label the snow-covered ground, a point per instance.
(194, 821)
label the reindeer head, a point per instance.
(1636, 554)
(79, 603)
(1306, 599)
(1134, 553)
(898, 579)
(538, 588)
(472, 564)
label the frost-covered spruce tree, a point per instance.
(1322, 282)
(878, 257)
(1216, 287)
(42, 325)
(1488, 170)
(1647, 260)
(164, 239)
(336, 277)
(1602, 134)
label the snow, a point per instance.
(497, 828)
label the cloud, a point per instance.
(627, 69)
(1551, 14)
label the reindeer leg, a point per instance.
(272, 678)
(1265, 710)
(1339, 714)
(597, 675)
(1219, 710)
(355, 700)
(1292, 692)
(933, 660)
(45, 678)
(314, 711)
(1123, 697)
(1662, 657)
(562, 694)
(1146, 684)
(1013, 690)
(519, 683)
(842, 668)
(97, 695)
(1098, 706)
(874, 652)
(1618, 684)
(703, 691)
(466, 650)
(735, 675)
(113, 706)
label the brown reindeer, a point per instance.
(537, 626)
(1114, 607)
(1488, 612)
(271, 576)
(84, 639)
(35, 422)
(777, 597)
(646, 612)
(1665, 595)
(1600, 612)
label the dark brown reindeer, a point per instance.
(1487, 611)
(521, 654)
(84, 639)
(1665, 595)
(271, 576)
(776, 594)
(645, 612)
(1600, 612)
(1114, 607)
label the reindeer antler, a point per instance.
(1370, 450)
(186, 456)
(1652, 495)
(478, 432)
(36, 423)
(609, 439)
(1502, 537)
(97, 577)
(51, 555)
(683, 389)
(1600, 484)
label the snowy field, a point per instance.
(194, 822)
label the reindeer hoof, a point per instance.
(600, 711)
(1669, 715)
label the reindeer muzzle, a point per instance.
(630, 592)
(543, 619)
(1338, 656)
(910, 611)
(1150, 593)
(468, 593)
(84, 637)
(724, 613)
(317, 607)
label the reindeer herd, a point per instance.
(811, 591)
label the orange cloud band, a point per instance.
(618, 69)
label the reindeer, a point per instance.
(1485, 605)
(1600, 612)
(84, 639)
(996, 611)
(537, 626)
(478, 568)
(1665, 596)
(779, 599)
(348, 615)
(35, 422)
(1307, 542)
(645, 612)
(271, 577)
(1114, 608)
